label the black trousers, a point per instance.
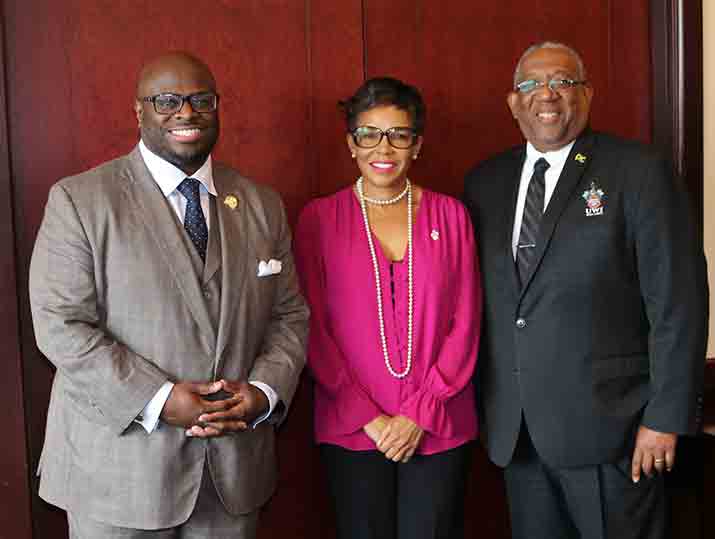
(592, 502)
(375, 498)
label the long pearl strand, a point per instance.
(373, 254)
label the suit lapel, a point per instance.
(511, 193)
(576, 164)
(161, 226)
(235, 257)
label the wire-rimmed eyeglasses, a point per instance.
(556, 85)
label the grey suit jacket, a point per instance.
(119, 309)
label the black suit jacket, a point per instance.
(609, 330)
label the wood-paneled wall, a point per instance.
(14, 471)
(70, 69)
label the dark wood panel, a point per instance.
(337, 70)
(14, 472)
(281, 67)
(41, 150)
(628, 94)
(462, 55)
(301, 507)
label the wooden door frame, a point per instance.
(677, 62)
(677, 101)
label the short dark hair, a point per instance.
(385, 91)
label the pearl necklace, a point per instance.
(387, 201)
(376, 267)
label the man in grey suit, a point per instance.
(163, 289)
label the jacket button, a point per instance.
(521, 323)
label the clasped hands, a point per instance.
(396, 437)
(190, 406)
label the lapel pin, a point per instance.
(231, 201)
(580, 158)
(434, 234)
(594, 198)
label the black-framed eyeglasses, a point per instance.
(555, 85)
(173, 103)
(368, 136)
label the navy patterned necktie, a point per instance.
(533, 210)
(194, 220)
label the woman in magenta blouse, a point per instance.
(390, 271)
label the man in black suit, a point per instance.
(596, 311)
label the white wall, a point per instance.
(709, 155)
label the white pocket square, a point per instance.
(272, 267)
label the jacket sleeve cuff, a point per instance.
(667, 418)
(272, 397)
(149, 416)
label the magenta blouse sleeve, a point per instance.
(456, 360)
(352, 404)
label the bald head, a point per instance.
(175, 64)
(183, 137)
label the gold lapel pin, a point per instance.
(231, 201)
(580, 158)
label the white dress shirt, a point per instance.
(168, 177)
(557, 160)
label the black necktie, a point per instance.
(194, 220)
(533, 210)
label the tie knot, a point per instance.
(190, 188)
(541, 166)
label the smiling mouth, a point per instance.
(381, 165)
(548, 117)
(185, 134)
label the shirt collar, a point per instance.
(168, 177)
(556, 159)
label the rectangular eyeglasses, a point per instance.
(555, 85)
(172, 103)
(368, 136)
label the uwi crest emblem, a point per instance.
(594, 198)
